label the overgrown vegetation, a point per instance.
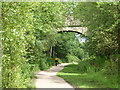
(28, 36)
(102, 45)
(68, 47)
(30, 41)
(77, 76)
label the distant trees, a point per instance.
(68, 47)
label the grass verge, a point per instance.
(72, 75)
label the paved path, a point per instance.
(48, 78)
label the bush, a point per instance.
(83, 66)
(50, 62)
(72, 58)
(61, 60)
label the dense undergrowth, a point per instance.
(78, 77)
(92, 72)
(28, 34)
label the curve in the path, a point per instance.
(48, 78)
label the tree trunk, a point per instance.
(51, 51)
(118, 36)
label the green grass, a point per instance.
(72, 75)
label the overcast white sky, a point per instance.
(79, 38)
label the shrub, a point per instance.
(72, 58)
(83, 66)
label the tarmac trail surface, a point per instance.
(48, 78)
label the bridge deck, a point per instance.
(82, 30)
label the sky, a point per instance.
(81, 39)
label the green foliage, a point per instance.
(68, 47)
(28, 36)
(101, 19)
(80, 79)
(14, 43)
(83, 66)
(72, 58)
(103, 43)
(61, 61)
(30, 41)
(100, 53)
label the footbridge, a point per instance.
(81, 30)
(73, 25)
